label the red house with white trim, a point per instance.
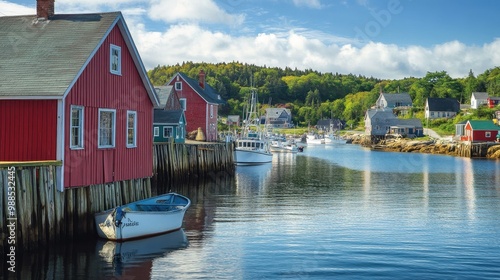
(200, 102)
(73, 88)
(480, 131)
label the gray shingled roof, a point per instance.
(480, 95)
(163, 93)
(443, 104)
(387, 118)
(45, 57)
(407, 122)
(392, 98)
(278, 112)
(167, 116)
(380, 115)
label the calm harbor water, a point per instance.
(331, 212)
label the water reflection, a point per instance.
(132, 258)
(252, 178)
(330, 212)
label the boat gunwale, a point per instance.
(184, 207)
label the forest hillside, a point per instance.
(312, 95)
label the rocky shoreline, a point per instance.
(438, 146)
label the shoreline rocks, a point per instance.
(443, 147)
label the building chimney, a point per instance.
(201, 79)
(44, 8)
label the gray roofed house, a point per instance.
(379, 122)
(407, 128)
(233, 120)
(441, 108)
(278, 117)
(478, 99)
(330, 125)
(393, 100)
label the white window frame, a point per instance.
(183, 102)
(487, 134)
(115, 59)
(156, 132)
(211, 111)
(113, 128)
(178, 86)
(165, 128)
(80, 127)
(134, 128)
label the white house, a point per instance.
(478, 99)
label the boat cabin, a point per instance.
(250, 144)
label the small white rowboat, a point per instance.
(147, 217)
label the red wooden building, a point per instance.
(480, 131)
(200, 102)
(73, 88)
(493, 101)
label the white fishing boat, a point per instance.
(315, 139)
(334, 139)
(147, 217)
(252, 147)
(284, 146)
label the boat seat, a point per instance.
(156, 207)
(152, 207)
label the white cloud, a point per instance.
(174, 11)
(11, 9)
(187, 39)
(315, 4)
(193, 43)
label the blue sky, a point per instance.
(388, 39)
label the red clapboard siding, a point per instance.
(98, 88)
(28, 130)
(197, 111)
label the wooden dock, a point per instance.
(188, 162)
(43, 214)
(29, 199)
(474, 150)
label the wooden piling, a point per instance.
(44, 214)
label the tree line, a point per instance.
(312, 95)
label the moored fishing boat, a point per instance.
(252, 147)
(315, 139)
(147, 217)
(284, 146)
(334, 139)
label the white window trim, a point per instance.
(133, 145)
(183, 102)
(79, 146)
(119, 66)
(211, 111)
(165, 128)
(113, 129)
(178, 84)
(156, 131)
